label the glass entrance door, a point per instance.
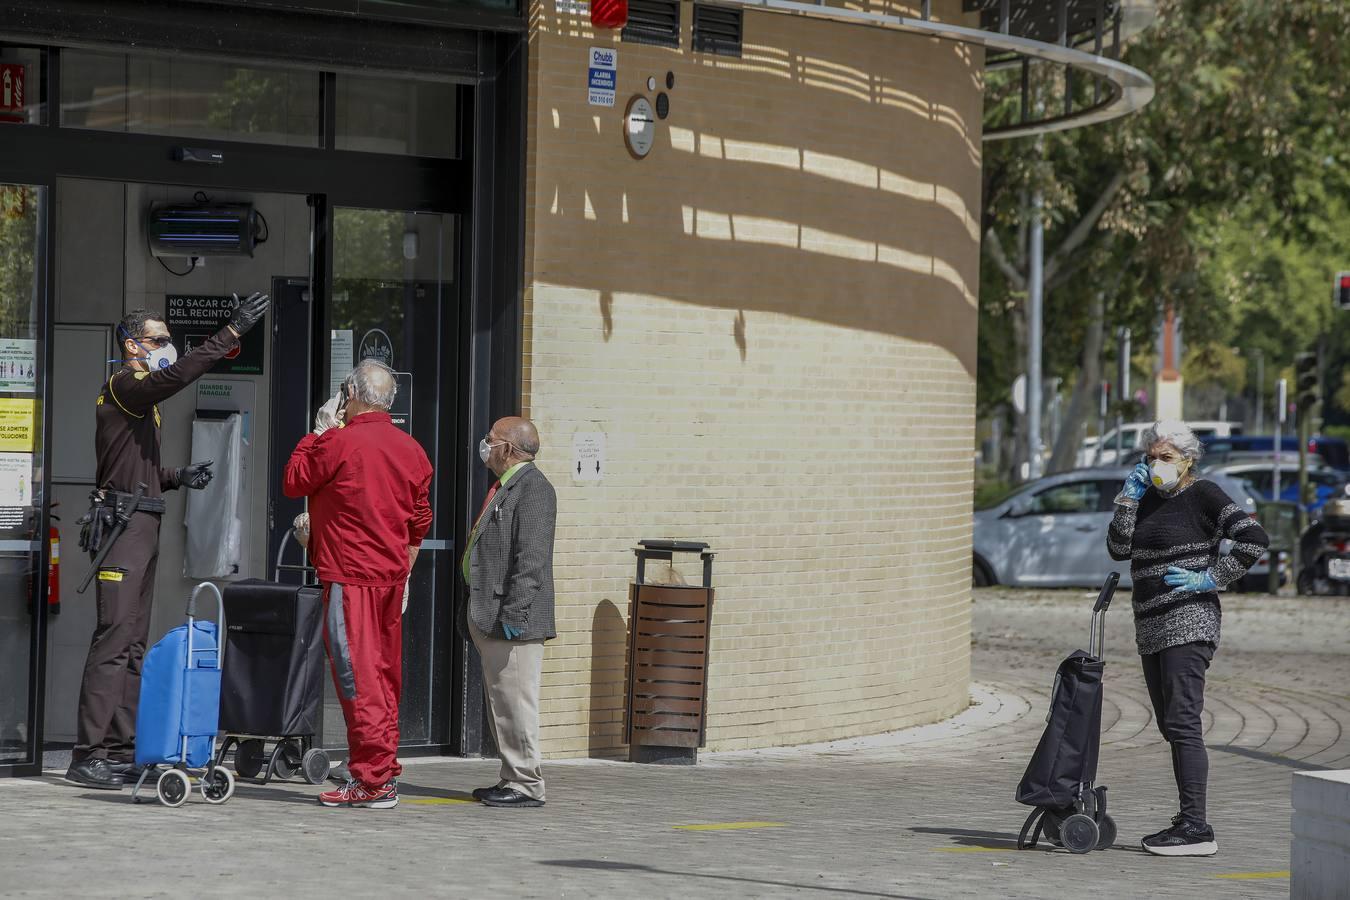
(393, 297)
(22, 542)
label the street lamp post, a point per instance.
(1035, 289)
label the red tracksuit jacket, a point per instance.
(367, 485)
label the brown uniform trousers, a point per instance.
(111, 690)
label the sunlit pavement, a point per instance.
(922, 813)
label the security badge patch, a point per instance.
(110, 575)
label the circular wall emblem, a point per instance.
(639, 127)
(376, 345)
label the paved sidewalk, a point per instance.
(926, 813)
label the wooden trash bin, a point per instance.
(669, 627)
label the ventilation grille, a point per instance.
(655, 22)
(717, 29)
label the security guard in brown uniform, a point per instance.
(125, 517)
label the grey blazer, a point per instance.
(511, 563)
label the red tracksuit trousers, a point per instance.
(363, 628)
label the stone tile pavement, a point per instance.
(924, 813)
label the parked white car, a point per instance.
(1052, 532)
(1129, 440)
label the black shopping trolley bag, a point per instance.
(1066, 756)
(1059, 779)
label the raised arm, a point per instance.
(312, 465)
(1120, 534)
(137, 392)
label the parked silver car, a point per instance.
(1052, 532)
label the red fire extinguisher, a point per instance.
(54, 570)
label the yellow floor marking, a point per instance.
(1254, 875)
(438, 801)
(974, 849)
(731, 826)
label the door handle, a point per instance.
(1086, 528)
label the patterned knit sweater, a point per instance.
(1181, 528)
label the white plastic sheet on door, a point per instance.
(213, 514)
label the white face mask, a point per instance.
(484, 450)
(159, 358)
(1166, 475)
(162, 357)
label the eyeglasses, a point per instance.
(160, 340)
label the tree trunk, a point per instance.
(1085, 390)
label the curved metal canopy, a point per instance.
(1082, 36)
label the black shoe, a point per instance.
(1176, 820)
(508, 797)
(94, 773)
(1183, 839)
(129, 772)
(480, 793)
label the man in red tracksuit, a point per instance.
(367, 484)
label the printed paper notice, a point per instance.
(588, 455)
(18, 365)
(341, 358)
(16, 479)
(16, 425)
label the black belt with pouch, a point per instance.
(104, 509)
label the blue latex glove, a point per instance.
(1186, 580)
(1137, 484)
(511, 633)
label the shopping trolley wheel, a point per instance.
(1106, 832)
(249, 758)
(217, 785)
(173, 787)
(315, 766)
(1079, 833)
(288, 760)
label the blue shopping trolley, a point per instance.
(180, 710)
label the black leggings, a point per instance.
(1176, 685)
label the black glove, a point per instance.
(196, 476)
(248, 312)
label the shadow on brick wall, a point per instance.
(609, 642)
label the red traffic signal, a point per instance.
(1342, 293)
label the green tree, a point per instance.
(1246, 127)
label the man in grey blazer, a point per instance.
(508, 566)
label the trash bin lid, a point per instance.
(677, 546)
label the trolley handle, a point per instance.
(1097, 634)
(220, 621)
(1107, 592)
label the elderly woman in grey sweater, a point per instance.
(1169, 524)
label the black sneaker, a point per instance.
(94, 773)
(1176, 820)
(1183, 839)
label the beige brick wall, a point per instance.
(772, 319)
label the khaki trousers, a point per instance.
(511, 674)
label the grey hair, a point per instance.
(1176, 433)
(373, 383)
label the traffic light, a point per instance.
(1307, 389)
(1342, 292)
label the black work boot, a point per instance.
(94, 773)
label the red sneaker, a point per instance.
(355, 794)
